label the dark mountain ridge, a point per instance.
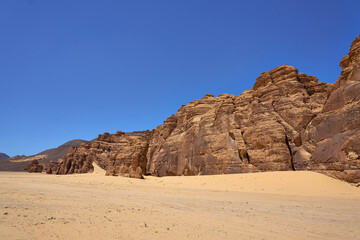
(3, 156)
(19, 162)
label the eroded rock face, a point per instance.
(333, 137)
(350, 65)
(52, 167)
(259, 130)
(34, 167)
(287, 121)
(119, 154)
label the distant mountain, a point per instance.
(3, 156)
(19, 162)
(55, 154)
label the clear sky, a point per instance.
(73, 69)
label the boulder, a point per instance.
(34, 167)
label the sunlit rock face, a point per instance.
(120, 154)
(287, 121)
(259, 130)
(333, 137)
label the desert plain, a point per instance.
(268, 205)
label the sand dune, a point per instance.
(273, 205)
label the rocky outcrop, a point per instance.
(350, 65)
(332, 138)
(287, 121)
(259, 130)
(34, 167)
(120, 154)
(52, 167)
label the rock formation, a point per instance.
(259, 130)
(332, 138)
(52, 167)
(34, 167)
(287, 121)
(120, 154)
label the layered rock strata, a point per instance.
(120, 154)
(332, 138)
(287, 121)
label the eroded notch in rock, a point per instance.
(290, 152)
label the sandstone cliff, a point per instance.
(332, 139)
(287, 121)
(119, 153)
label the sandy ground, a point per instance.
(275, 205)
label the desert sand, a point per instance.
(271, 205)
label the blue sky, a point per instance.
(73, 69)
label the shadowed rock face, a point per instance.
(3, 156)
(287, 121)
(120, 154)
(34, 167)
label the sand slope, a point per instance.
(274, 205)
